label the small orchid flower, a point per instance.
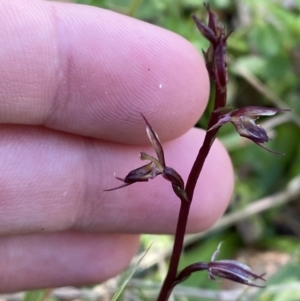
(232, 270)
(244, 121)
(157, 166)
(228, 269)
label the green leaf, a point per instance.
(286, 275)
(255, 64)
(266, 39)
(128, 277)
(37, 295)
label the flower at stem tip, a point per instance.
(157, 166)
(244, 121)
(215, 56)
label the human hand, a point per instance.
(73, 82)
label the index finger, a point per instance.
(89, 71)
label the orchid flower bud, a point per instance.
(215, 55)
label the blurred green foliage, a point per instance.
(38, 295)
(281, 284)
(264, 69)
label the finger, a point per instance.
(52, 181)
(89, 71)
(62, 259)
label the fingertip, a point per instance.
(137, 68)
(91, 72)
(62, 259)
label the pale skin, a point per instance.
(73, 82)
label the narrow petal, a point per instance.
(213, 22)
(158, 165)
(118, 187)
(257, 111)
(216, 253)
(141, 174)
(269, 150)
(222, 120)
(153, 137)
(206, 31)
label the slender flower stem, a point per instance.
(199, 162)
(214, 68)
(177, 248)
(183, 215)
(185, 206)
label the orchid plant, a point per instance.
(244, 121)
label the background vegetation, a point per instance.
(262, 225)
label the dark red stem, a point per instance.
(216, 66)
(219, 101)
(183, 216)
